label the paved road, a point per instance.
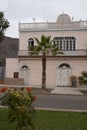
(61, 102)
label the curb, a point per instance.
(61, 110)
(55, 109)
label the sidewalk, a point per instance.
(56, 90)
(67, 90)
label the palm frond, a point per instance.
(37, 40)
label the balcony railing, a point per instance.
(65, 53)
(52, 26)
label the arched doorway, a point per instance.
(24, 73)
(63, 74)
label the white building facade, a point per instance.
(71, 38)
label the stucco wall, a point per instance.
(77, 66)
(81, 41)
(11, 67)
(35, 70)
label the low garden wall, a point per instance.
(14, 81)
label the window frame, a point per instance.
(67, 43)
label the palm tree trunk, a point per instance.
(44, 71)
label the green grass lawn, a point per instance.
(51, 120)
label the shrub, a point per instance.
(83, 78)
(20, 107)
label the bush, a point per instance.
(83, 78)
(20, 105)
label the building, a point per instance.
(62, 70)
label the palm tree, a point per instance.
(44, 46)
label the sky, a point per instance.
(23, 11)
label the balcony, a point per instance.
(65, 53)
(77, 25)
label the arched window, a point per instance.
(64, 65)
(65, 43)
(24, 67)
(30, 42)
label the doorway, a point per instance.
(24, 73)
(63, 74)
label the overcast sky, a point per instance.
(42, 10)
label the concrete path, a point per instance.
(66, 90)
(57, 90)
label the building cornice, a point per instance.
(53, 57)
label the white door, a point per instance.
(63, 76)
(24, 74)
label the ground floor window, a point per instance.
(16, 75)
